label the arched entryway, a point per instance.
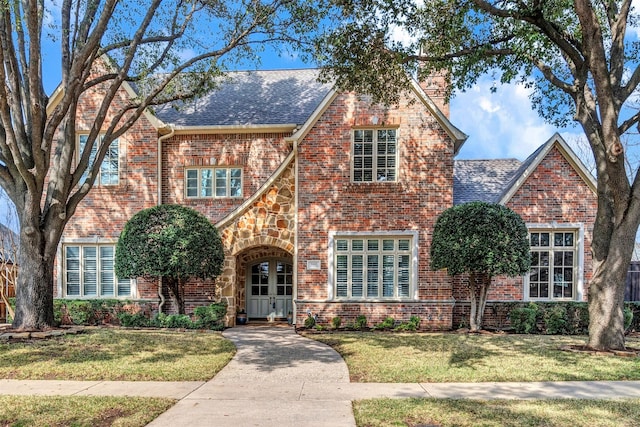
(269, 289)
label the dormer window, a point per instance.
(374, 154)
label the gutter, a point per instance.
(159, 172)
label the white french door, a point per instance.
(269, 289)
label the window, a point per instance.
(213, 182)
(374, 155)
(89, 272)
(373, 267)
(109, 169)
(554, 264)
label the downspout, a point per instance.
(159, 172)
(295, 234)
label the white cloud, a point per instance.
(500, 124)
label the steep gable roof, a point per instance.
(245, 98)
(532, 162)
(482, 180)
(496, 181)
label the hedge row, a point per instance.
(133, 314)
(562, 318)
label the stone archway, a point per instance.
(263, 226)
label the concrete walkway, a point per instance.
(279, 378)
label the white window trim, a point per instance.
(579, 285)
(397, 153)
(61, 267)
(411, 234)
(97, 181)
(213, 191)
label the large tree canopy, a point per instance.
(581, 60)
(482, 240)
(166, 49)
(170, 241)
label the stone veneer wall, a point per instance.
(264, 229)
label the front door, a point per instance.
(269, 289)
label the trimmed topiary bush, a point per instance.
(170, 241)
(482, 240)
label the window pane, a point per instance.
(544, 239)
(558, 239)
(124, 287)
(72, 261)
(192, 183)
(109, 167)
(89, 266)
(236, 183)
(372, 276)
(568, 239)
(341, 275)
(388, 245)
(372, 245)
(403, 276)
(206, 183)
(107, 276)
(342, 245)
(221, 182)
(535, 239)
(357, 245)
(387, 275)
(357, 276)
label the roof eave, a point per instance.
(230, 129)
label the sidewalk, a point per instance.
(279, 378)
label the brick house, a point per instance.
(325, 202)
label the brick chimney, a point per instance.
(434, 86)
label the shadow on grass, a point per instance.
(454, 357)
(117, 349)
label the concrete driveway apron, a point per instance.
(265, 383)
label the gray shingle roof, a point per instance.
(482, 180)
(253, 98)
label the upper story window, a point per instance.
(374, 155)
(554, 264)
(89, 272)
(213, 182)
(109, 169)
(373, 267)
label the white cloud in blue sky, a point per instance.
(500, 124)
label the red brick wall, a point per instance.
(259, 155)
(106, 209)
(328, 201)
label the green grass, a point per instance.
(441, 357)
(498, 413)
(78, 411)
(118, 355)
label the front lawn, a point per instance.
(112, 354)
(87, 411)
(497, 413)
(450, 357)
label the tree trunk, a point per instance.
(606, 293)
(473, 316)
(34, 290)
(478, 289)
(176, 289)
